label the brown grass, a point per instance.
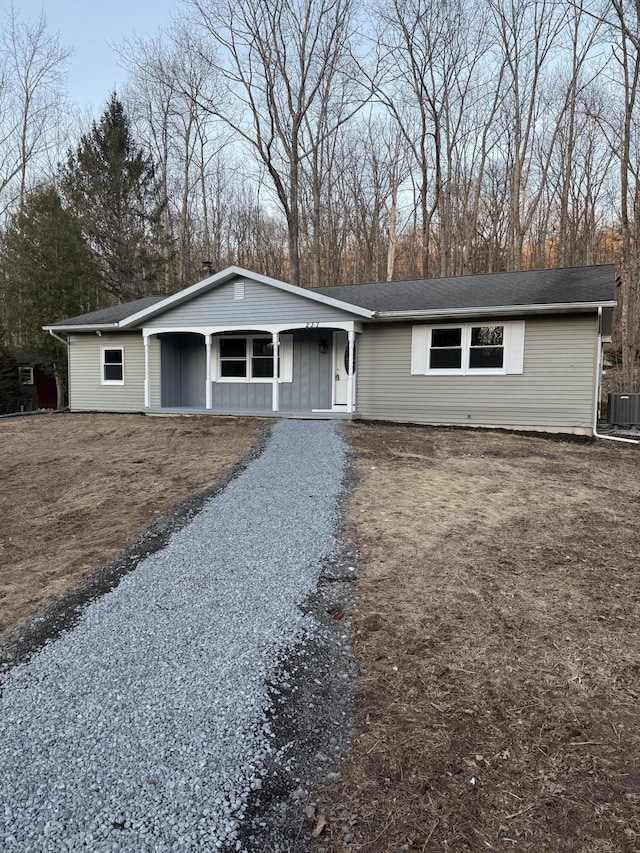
(498, 622)
(498, 636)
(76, 489)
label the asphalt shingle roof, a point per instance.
(110, 315)
(532, 287)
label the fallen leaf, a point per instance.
(320, 825)
(338, 615)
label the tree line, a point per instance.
(329, 142)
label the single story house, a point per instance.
(520, 350)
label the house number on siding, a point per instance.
(312, 325)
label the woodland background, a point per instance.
(323, 142)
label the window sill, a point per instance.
(241, 380)
(471, 372)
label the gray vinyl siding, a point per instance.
(555, 391)
(86, 393)
(261, 304)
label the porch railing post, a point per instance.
(276, 373)
(147, 382)
(208, 392)
(350, 371)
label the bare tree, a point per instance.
(32, 77)
(528, 37)
(624, 18)
(289, 85)
(167, 76)
(432, 52)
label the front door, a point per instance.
(340, 361)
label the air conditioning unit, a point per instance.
(624, 410)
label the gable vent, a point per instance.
(238, 290)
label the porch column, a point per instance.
(275, 406)
(350, 372)
(147, 381)
(208, 391)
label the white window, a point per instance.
(250, 358)
(26, 375)
(468, 348)
(112, 369)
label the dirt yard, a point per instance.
(498, 635)
(498, 627)
(76, 489)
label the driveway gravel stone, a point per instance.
(188, 705)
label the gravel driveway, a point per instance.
(182, 711)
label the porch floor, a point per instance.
(328, 415)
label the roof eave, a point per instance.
(495, 310)
(87, 327)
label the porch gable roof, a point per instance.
(229, 274)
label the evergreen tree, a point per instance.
(110, 184)
(11, 394)
(47, 274)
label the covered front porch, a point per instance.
(270, 370)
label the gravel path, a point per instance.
(150, 725)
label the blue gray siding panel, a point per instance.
(311, 386)
(183, 370)
(242, 396)
(261, 304)
(555, 391)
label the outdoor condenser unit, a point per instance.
(624, 410)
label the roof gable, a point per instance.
(247, 304)
(227, 275)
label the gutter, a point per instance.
(598, 382)
(91, 327)
(454, 313)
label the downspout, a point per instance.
(597, 434)
(58, 338)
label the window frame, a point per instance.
(222, 359)
(248, 359)
(512, 349)
(465, 369)
(452, 348)
(103, 365)
(501, 346)
(28, 371)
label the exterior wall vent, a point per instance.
(238, 290)
(624, 410)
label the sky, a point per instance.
(89, 28)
